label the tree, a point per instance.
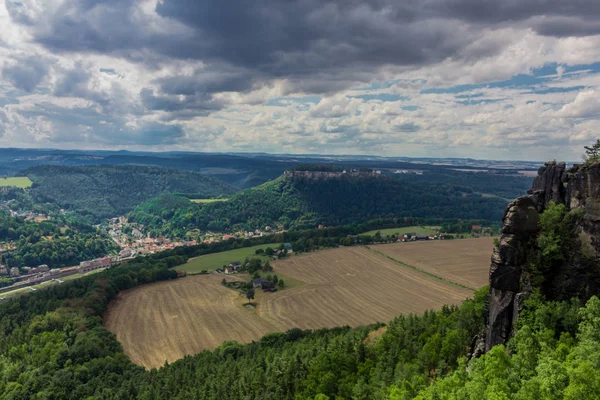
(224, 281)
(281, 284)
(259, 252)
(249, 294)
(269, 251)
(593, 152)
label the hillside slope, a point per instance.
(107, 190)
(301, 202)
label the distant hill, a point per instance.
(103, 191)
(240, 170)
(305, 200)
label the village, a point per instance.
(130, 237)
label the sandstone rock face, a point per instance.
(579, 189)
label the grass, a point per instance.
(419, 230)
(289, 282)
(207, 201)
(213, 261)
(20, 182)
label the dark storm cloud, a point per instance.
(201, 103)
(26, 73)
(318, 46)
(544, 12)
(217, 81)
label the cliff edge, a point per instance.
(578, 273)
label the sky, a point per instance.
(488, 79)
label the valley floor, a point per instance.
(345, 286)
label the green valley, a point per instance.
(106, 191)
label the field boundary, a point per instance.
(429, 274)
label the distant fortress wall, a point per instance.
(323, 175)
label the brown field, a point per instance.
(346, 286)
(464, 261)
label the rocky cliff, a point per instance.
(578, 188)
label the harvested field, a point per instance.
(346, 286)
(167, 320)
(464, 261)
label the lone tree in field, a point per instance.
(281, 284)
(593, 152)
(249, 294)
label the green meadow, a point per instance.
(213, 261)
(19, 181)
(207, 201)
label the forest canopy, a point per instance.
(306, 203)
(106, 191)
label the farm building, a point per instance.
(420, 237)
(261, 283)
(229, 271)
(236, 265)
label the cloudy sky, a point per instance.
(497, 79)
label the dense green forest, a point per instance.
(57, 243)
(305, 203)
(105, 191)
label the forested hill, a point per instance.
(296, 202)
(110, 190)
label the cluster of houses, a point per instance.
(28, 215)
(233, 268)
(15, 272)
(216, 237)
(129, 237)
(414, 237)
(12, 272)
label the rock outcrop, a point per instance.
(578, 188)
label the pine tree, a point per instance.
(593, 152)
